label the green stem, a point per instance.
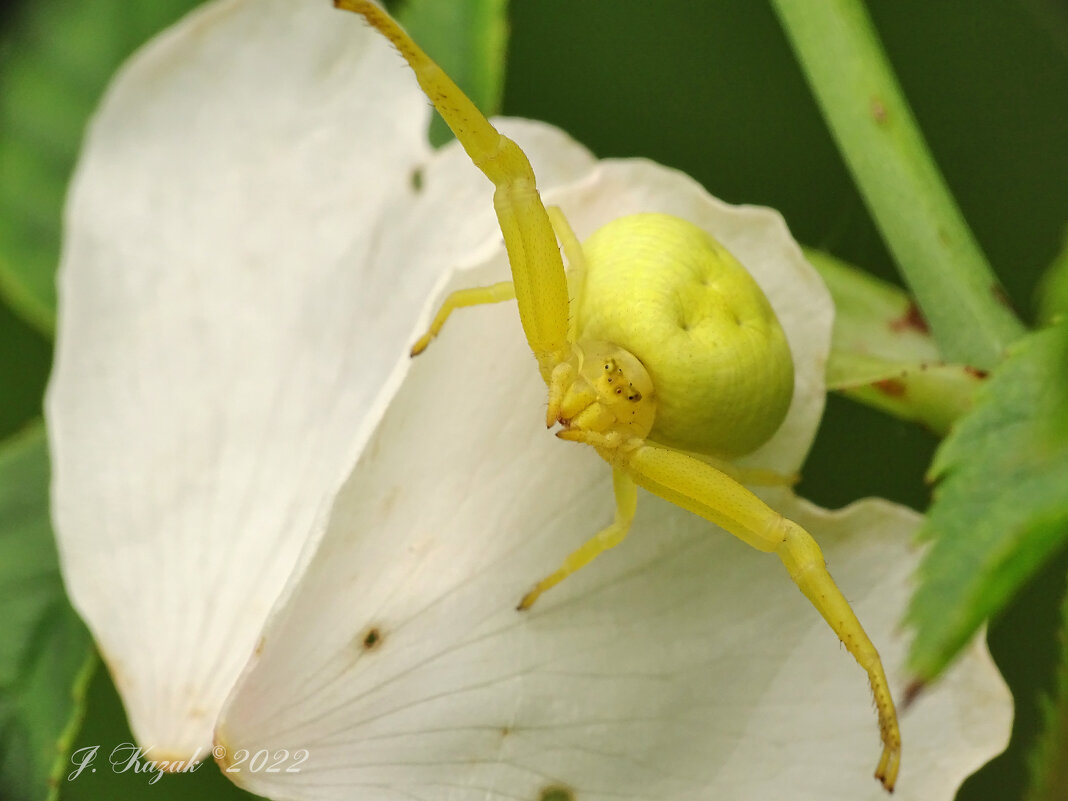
(1049, 758)
(866, 111)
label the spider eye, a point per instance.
(619, 390)
(637, 396)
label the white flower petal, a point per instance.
(203, 405)
(680, 665)
(234, 306)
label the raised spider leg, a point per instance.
(505, 290)
(608, 537)
(707, 492)
(537, 269)
(474, 296)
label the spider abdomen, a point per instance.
(669, 293)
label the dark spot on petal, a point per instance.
(416, 179)
(389, 501)
(372, 638)
(894, 387)
(912, 319)
(556, 792)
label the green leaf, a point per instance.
(1049, 760)
(468, 39)
(874, 128)
(882, 353)
(1053, 289)
(932, 395)
(46, 654)
(56, 60)
(1001, 507)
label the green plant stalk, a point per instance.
(1049, 758)
(866, 111)
(79, 708)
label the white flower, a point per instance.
(286, 535)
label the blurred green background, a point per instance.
(713, 89)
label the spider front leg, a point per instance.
(461, 298)
(707, 492)
(505, 290)
(537, 268)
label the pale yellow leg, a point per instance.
(474, 296)
(537, 269)
(750, 476)
(626, 504)
(576, 264)
(702, 489)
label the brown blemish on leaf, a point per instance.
(371, 639)
(894, 387)
(556, 792)
(912, 692)
(911, 320)
(1001, 296)
(976, 372)
(878, 111)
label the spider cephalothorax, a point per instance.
(604, 390)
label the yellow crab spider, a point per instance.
(636, 377)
